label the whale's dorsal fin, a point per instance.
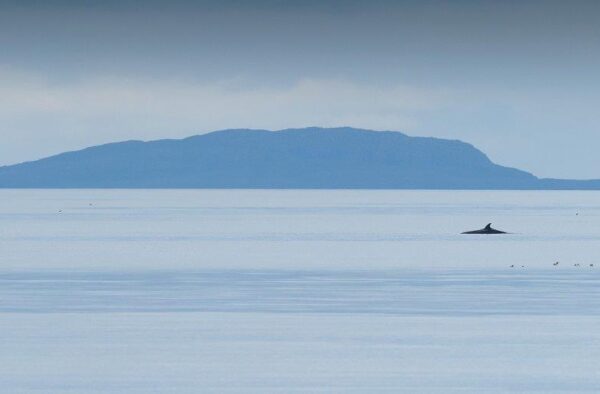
(488, 227)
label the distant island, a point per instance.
(309, 158)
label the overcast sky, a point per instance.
(518, 79)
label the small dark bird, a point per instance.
(576, 265)
(591, 265)
(555, 263)
(512, 266)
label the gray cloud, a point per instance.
(518, 79)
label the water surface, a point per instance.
(137, 291)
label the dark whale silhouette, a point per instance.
(487, 230)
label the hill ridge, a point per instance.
(305, 158)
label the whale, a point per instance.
(486, 230)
